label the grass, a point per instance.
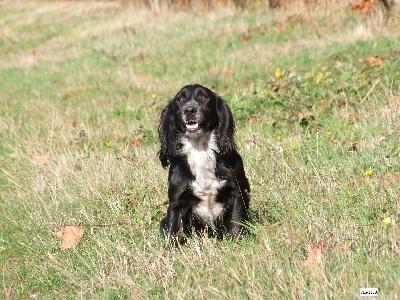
(83, 82)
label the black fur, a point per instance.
(208, 188)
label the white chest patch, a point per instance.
(200, 154)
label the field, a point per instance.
(315, 93)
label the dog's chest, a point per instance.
(201, 158)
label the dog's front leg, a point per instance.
(238, 217)
(174, 227)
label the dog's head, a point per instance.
(194, 111)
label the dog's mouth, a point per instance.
(192, 126)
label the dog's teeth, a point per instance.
(192, 125)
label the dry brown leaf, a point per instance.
(355, 6)
(375, 61)
(283, 48)
(120, 134)
(314, 259)
(343, 247)
(135, 142)
(278, 3)
(246, 38)
(70, 235)
(296, 18)
(41, 160)
(364, 6)
(252, 120)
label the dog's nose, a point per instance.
(190, 110)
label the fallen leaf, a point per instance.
(367, 7)
(343, 247)
(41, 160)
(364, 6)
(252, 120)
(375, 61)
(120, 134)
(314, 259)
(283, 48)
(296, 18)
(246, 38)
(132, 203)
(34, 293)
(135, 142)
(70, 235)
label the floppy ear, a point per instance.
(226, 128)
(167, 135)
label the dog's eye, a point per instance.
(181, 99)
(203, 98)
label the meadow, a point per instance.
(315, 93)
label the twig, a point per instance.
(371, 89)
(102, 225)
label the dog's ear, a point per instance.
(167, 135)
(226, 128)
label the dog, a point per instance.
(208, 190)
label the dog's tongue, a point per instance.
(192, 125)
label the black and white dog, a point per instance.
(208, 188)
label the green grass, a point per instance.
(77, 86)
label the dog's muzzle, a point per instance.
(191, 117)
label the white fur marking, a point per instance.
(200, 152)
